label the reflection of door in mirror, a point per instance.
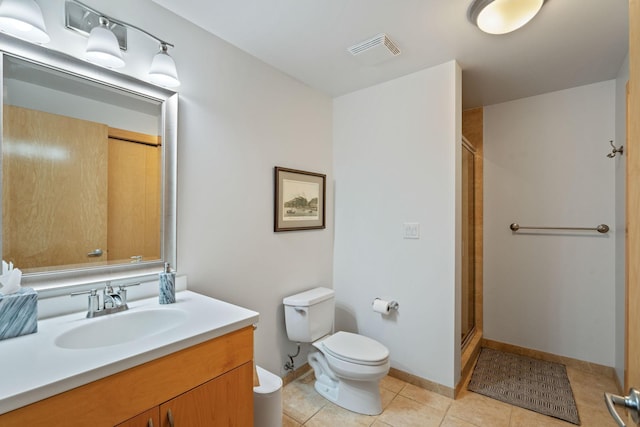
(134, 196)
(54, 183)
(77, 192)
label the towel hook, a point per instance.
(615, 150)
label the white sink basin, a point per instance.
(119, 328)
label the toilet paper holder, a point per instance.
(393, 305)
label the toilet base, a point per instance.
(358, 396)
(362, 397)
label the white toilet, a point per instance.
(348, 366)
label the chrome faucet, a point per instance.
(112, 302)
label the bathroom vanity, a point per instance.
(197, 371)
(183, 364)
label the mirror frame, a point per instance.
(57, 282)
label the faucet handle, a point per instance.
(122, 291)
(108, 289)
(93, 302)
(91, 292)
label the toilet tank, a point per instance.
(309, 315)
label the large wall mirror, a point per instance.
(88, 170)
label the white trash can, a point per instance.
(267, 400)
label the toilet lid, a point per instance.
(355, 348)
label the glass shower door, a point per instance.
(468, 244)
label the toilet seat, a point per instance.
(357, 349)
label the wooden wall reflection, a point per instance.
(71, 187)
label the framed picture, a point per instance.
(299, 200)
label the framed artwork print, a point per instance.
(299, 200)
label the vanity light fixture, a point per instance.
(163, 69)
(108, 37)
(23, 19)
(102, 47)
(502, 16)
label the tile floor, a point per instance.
(406, 405)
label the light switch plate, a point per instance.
(411, 230)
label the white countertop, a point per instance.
(33, 367)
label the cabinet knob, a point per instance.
(170, 418)
(150, 422)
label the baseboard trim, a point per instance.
(294, 375)
(422, 383)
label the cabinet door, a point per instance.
(149, 418)
(223, 401)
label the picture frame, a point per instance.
(299, 200)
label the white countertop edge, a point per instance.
(33, 395)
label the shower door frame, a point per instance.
(472, 130)
(470, 242)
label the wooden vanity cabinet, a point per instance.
(207, 385)
(150, 418)
(220, 402)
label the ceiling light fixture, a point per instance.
(502, 16)
(108, 36)
(102, 47)
(23, 19)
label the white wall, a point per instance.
(545, 164)
(620, 179)
(238, 119)
(396, 160)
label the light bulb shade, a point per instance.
(163, 70)
(103, 48)
(23, 19)
(503, 16)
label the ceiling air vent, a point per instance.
(377, 49)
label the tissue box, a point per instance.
(18, 313)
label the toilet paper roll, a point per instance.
(381, 306)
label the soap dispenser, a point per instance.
(167, 293)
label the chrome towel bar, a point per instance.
(602, 228)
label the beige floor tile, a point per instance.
(379, 423)
(524, 418)
(596, 418)
(404, 412)
(426, 397)
(308, 378)
(334, 415)
(300, 401)
(480, 410)
(393, 384)
(589, 388)
(386, 396)
(289, 422)
(594, 413)
(450, 421)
